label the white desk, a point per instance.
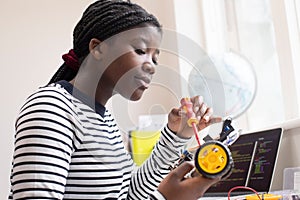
(241, 197)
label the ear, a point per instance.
(95, 48)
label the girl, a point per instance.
(67, 144)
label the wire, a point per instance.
(196, 133)
(243, 187)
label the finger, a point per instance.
(212, 120)
(206, 181)
(182, 170)
(197, 102)
(174, 115)
(202, 184)
(175, 112)
(203, 124)
(202, 110)
(208, 113)
(215, 119)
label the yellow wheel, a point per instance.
(213, 159)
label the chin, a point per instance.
(137, 95)
(135, 98)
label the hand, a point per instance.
(177, 119)
(176, 187)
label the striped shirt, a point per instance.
(69, 147)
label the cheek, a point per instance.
(116, 70)
(124, 69)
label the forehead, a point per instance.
(150, 36)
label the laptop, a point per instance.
(254, 155)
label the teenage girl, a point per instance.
(67, 144)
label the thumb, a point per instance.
(175, 113)
(182, 170)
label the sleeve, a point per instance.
(43, 147)
(147, 177)
(156, 195)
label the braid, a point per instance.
(103, 19)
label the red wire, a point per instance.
(243, 187)
(196, 133)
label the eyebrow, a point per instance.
(145, 41)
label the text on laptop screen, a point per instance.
(254, 156)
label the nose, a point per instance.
(149, 68)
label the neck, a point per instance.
(88, 81)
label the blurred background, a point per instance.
(262, 35)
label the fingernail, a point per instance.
(200, 99)
(181, 112)
(206, 118)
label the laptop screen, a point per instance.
(254, 155)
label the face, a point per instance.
(132, 59)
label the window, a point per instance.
(267, 33)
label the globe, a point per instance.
(227, 82)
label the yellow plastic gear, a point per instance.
(213, 159)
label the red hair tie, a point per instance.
(71, 60)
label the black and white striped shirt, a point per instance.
(69, 147)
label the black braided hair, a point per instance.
(103, 19)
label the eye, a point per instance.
(155, 61)
(155, 58)
(140, 51)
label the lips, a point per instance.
(143, 81)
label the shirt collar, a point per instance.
(100, 109)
